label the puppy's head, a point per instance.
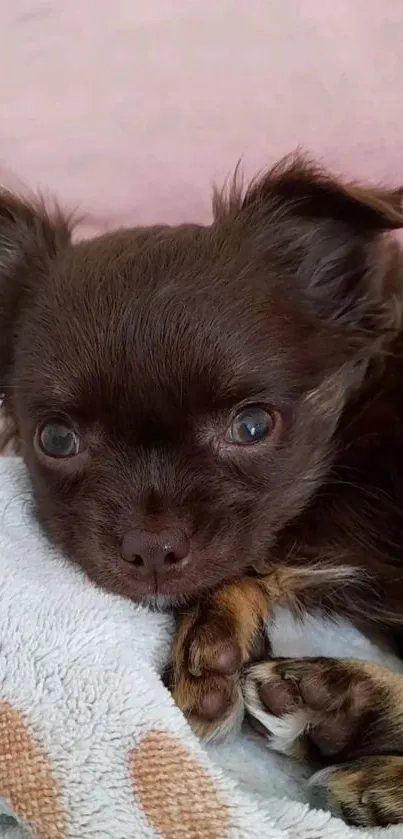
(175, 391)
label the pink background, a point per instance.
(129, 109)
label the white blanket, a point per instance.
(91, 744)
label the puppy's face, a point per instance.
(175, 390)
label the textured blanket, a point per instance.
(91, 744)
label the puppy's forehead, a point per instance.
(162, 316)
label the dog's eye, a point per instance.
(251, 425)
(58, 439)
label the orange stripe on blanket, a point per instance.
(178, 796)
(26, 779)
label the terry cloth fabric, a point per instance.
(91, 743)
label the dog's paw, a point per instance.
(320, 710)
(212, 704)
(207, 661)
(365, 793)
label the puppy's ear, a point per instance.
(325, 239)
(314, 194)
(29, 238)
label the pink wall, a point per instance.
(129, 108)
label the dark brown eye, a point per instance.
(250, 426)
(59, 440)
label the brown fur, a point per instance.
(350, 716)
(224, 631)
(148, 342)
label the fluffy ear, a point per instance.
(29, 238)
(315, 194)
(324, 237)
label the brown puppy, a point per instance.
(198, 404)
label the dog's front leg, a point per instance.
(222, 633)
(214, 640)
(345, 719)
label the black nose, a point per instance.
(155, 552)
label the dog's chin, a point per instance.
(170, 595)
(164, 602)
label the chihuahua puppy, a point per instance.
(199, 405)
